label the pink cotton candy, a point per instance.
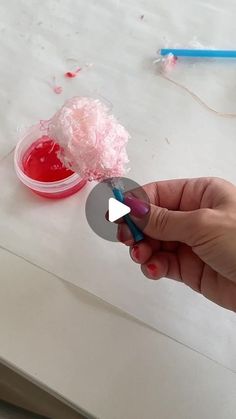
(93, 143)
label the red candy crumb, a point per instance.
(70, 74)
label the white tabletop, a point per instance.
(100, 360)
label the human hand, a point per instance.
(190, 235)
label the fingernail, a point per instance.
(138, 208)
(151, 269)
(135, 253)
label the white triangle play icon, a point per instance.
(117, 210)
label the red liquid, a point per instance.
(40, 162)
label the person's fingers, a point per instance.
(218, 289)
(176, 194)
(164, 193)
(186, 267)
(141, 252)
(183, 264)
(163, 224)
(169, 193)
(162, 264)
(191, 267)
(186, 194)
(124, 235)
(169, 246)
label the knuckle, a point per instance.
(217, 181)
(160, 220)
(200, 227)
(208, 226)
(203, 217)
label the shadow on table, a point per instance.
(29, 400)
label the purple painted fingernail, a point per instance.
(138, 208)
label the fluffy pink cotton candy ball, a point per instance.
(93, 143)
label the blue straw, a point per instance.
(204, 53)
(136, 233)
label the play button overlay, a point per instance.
(101, 199)
(117, 210)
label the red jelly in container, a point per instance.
(38, 166)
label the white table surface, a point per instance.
(40, 39)
(99, 359)
(84, 350)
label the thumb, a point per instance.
(163, 224)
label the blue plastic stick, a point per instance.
(204, 53)
(136, 233)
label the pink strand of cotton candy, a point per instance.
(92, 141)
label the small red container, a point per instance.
(55, 190)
